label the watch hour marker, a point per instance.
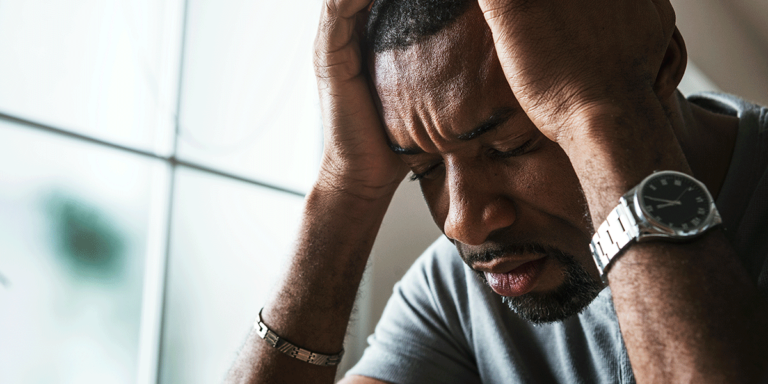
(663, 182)
(696, 221)
(678, 182)
(699, 199)
(685, 225)
(701, 211)
(651, 186)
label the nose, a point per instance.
(477, 206)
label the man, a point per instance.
(525, 122)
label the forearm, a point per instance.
(688, 312)
(615, 145)
(312, 304)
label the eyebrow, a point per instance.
(499, 117)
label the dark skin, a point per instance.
(503, 186)
(510, 182)
(603, 117)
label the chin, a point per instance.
(572, 296)
(558, 305)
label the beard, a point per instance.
(576, 292)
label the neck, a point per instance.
(707, 140)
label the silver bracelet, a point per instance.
(291, 349)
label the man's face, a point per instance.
(505, 195)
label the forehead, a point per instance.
(461, 52)
(453, 76)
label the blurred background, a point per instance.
(154, 155)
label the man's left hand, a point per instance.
(564, 59)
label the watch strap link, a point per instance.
(292, 350)
(613, 234)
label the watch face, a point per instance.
(675, 201)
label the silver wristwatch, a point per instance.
(667, 205)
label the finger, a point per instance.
(347, 8)
(337, 23)
(337, 52)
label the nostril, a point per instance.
(460, 228)
(472, 225)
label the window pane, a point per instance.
(228, 243)
(249, 99)
(103, 68)
(74, 224)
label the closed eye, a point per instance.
(422, 175)
(493, 153)
(511, 153)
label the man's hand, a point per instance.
(598, 77)
(342, 214)
(356, 157)
(585, 72)
(563, 58)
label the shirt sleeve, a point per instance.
(421, 337)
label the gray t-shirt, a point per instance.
(444, 325)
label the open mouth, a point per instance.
(518, 281)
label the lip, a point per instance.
(514, 278)
(505, 264)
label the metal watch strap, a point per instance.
(616, 231)
(293, 350)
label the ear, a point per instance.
(672, 67)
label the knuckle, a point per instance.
(331, 6)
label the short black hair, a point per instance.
(398, 24)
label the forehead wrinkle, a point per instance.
(424, 88)
(405, 122)
(440, 127)
(422, 131)
(410, 107)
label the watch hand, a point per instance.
(662, 200)
(671, 203)
(681, 195)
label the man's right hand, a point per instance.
(342, 214)
(356, 157)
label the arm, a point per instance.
(593, 76)
(688, 312)
(312, 304)
(359, 174)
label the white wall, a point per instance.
(728, 41)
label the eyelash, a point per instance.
(514, 152)
(495, 153)
(419, 176)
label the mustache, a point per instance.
(498, 251)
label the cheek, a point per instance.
(436, 196)
(551, 186)
(544, 181)
(436, 210)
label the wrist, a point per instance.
(614, 145)
(612, 116)
(336, 201)
(365, 186)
